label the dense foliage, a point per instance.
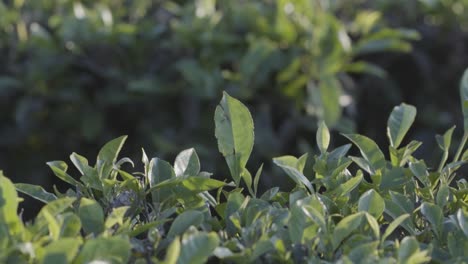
(93, 70)
(387, 211)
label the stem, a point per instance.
(461, 147)
(442, 161)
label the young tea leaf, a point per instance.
(369, 150)
(399, 122)
(323, 137)
(234, 130)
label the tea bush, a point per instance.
(387, 211)
(93, 70)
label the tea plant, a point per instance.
(387, 211)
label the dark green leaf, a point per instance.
(184, 221)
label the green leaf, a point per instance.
(112, 249)
(234, 130)
(369, 150)
(464, 98)
(323, 137)
(197, 248)
(442, 195)
(445, 141)
(10, 223)
(70, 225)
(462, 222)
(345, 227)
(234, 203)
(399, 122)
(434, 215)
(109, 153)
(184, 221)
(36, 192)
(330, 92)
(394, 225)
(173, 252)
(158, 172)
(372, 202)
(61, 251)
(419, 169)
(409, 252)
(116, 217)
(60, 170)
(289, 164)
(201, 184)
(91, 216)
(257, 179)
(348, 186)
(187, 163)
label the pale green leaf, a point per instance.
(323, 137)
(234, 130)
(187, 163)
(399, 122)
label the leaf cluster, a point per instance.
(387, 211)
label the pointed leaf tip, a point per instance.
(399, 122)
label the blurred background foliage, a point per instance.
(75, 74)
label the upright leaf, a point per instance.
(159, 171)
(369, 150)
(235, 134)
(399, 122)
(187, 163)
(323, 137)
(9, 220)
(464, 98)
(109, 153)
